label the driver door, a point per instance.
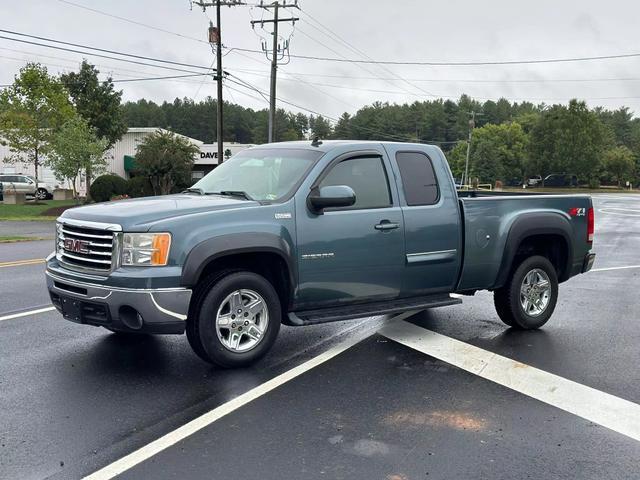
(352, 254)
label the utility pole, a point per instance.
(472, 125)
(276, 51)
(215, 38)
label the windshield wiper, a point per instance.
(233, 193)
(194, 189)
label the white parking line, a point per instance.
(613, 268)
(615, 413)
(171, 438)
(27, 313)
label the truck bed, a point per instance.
(489, 217)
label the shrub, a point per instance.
(139, 187)
(106, 186)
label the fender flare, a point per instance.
(225, 245)
(530, 224)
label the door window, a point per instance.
(418, 178)
(368, 179)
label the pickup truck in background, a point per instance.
(302, 233)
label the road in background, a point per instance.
(36, 228)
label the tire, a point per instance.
(235, 319)
(529, 297)
(501, 303)
(41, 194)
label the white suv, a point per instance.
(19, 183)
(44, 191)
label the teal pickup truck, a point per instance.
(309, 232)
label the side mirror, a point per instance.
(334, 196)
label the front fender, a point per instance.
(234, 243)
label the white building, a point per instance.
(121, 158)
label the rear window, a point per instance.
(418, 178)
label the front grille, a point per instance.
(83, 247)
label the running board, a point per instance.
(334, 314)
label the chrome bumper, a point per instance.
(162, 310)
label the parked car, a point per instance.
(44, 191)
(514, 182)
(18, 183)
(305, 233)
(560, 180)
(534, 181)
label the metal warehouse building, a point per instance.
(121, 158)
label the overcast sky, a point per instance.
(401, 30)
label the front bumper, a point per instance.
(160, 310)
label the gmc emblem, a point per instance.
(76, 246)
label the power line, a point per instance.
(337, 38)
(462, 80)
(438, 96)
(128, 20)
(460, 64)
(78, 45)
(106, 68)
(91, 54)
(127, 80)
(324, 45)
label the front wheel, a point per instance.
(42, 194)
(529, 297)
(235, 319)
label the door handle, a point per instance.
(385, 225)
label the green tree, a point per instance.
(620, 163)
(166, 159)
(32, 110)
(342, 130)
(457, 158)
(98, 103)
(319, 127)
(498, 152)
(568, 139)
(76, 148)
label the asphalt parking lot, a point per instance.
(447, 393)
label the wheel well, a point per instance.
(554, 247)
(270, 265)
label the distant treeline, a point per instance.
(511, 140)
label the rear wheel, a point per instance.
(235, 320)
(529, 297)
(42, 194)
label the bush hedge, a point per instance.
(139, 187)
(106, 186)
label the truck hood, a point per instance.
(138, 214)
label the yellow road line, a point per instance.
(18, 263)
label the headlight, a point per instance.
(145, 249)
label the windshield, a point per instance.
(267, 174)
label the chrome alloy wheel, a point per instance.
(241, 320)
(535, 292)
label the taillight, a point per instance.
(590, 225)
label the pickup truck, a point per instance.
(302, 233)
